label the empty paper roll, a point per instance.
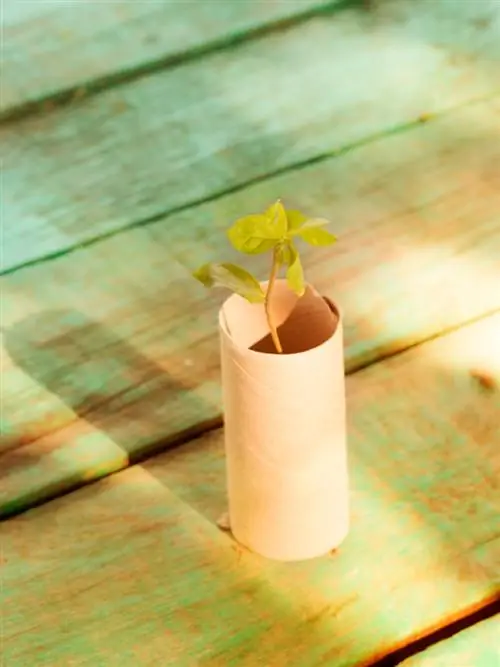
(285, 426)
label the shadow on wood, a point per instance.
(118, 391)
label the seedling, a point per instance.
(273, 231)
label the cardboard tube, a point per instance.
(284, 420)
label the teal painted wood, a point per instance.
(478, 646)
(133, 571)
(137, 152)
(53, 49)
(118, 339)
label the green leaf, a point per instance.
(254, 234)
(287, 254)
(232, 277)
(316, 236)
(295, 220)
(315, 222)
(283, 253)
(295, 273)
(276, 215)
(306, 223)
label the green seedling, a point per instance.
(274, 231)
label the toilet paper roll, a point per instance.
(284, 420)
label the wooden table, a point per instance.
(132, 134)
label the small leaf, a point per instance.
(284, 254)
(295, 273)
(315, 222)
(316, 236)
(254, 234)
(232, 277)
(278, 219)
(254, 246)
(295, 220)
(287, 255)
(308, 223)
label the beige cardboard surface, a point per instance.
(285, 433)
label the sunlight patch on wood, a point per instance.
(477, 349)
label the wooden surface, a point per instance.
(132, 134)
(54, 50)
(478, 646)
(115, 364)
(188, 133)
(132, 570)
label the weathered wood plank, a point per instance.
(139, 151)
(121, 338)
(475, 647)
(140, 549)
(53, 49)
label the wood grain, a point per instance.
(52, 50)
(475, 647)
(188, 134)
(133, 571)
(118, 339)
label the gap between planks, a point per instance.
(91, 87)
(483, 611)
(476, 646)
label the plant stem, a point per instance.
(267, 302)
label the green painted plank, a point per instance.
(133, 571)
(478, 646)
(139, 151)
(118, 338)
(53, 49)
